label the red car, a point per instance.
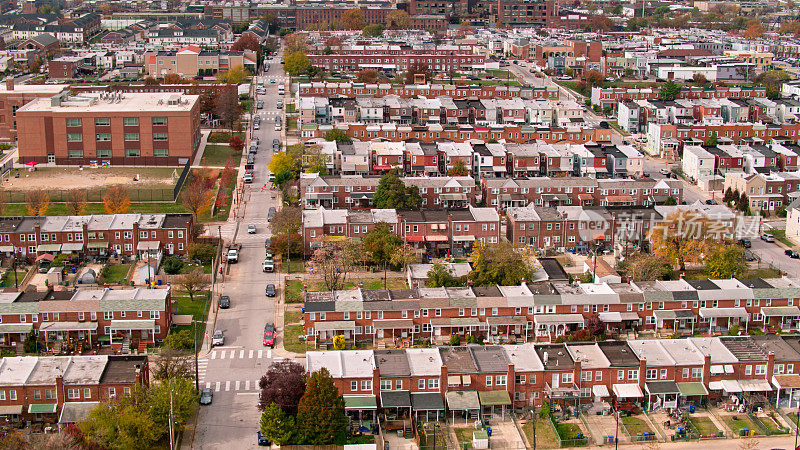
(269, 335)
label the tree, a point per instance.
(334, 42)
(288, 219)
(644, 267)
(119, 424)
(116, 200)
(381, 243)
(754, 29)
(337, 135)
(728, 197)
(286, 245)
(503, 264)
(415, 69)
(397, 19)
(202, 252)
(150, 81)
(172, 395)
(76, 201)
(335, 260)
(773, 80)
(179, 340)
(173, 361)
(403, 256)
(600, 23)
(296, 42)
(236, 143)
(670, 201)
(321, 419)
(392, 193)
(459, 169)
(726, 262)
(316, 161)
(699, 79)
(172, 265)
(197, 198)
(367, 76)
(174, 78)
(594, 78)
(193, 282)
(685, 236)
(440, 275)
(743, 204)
(373, 31)
(669, 90)
(296, 63)
(247, 41)
(228, 108)
(31, 343)
(235, 75)
(353, 19)
(283, 162)
(277, 426)
(338, 342)
(282, 385)
(37, 202)
(712, 140)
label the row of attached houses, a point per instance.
(610, 97)
(120, 318)
(439, 110)
(668, 139)
(64, 389)
(96, 235)
(399, 58)
(329, 89)
(548, 310)
(486, 381)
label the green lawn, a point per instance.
(501, 74)
(464, 435)
(217, 156)
(703, 425)
(765, 272)
(185, 306)
(772, 425)
(568, 431)
(116, 273)
(291, 123)
(781, 236)
(292, 316)
(615, 125)
(738, 422)
(291, 343)
(294, 288)
(188, 267)
(296, 265)
(8, 278)
(222, 137)
(635, 425)
(290, 108)
(293, 291)
(545, 437)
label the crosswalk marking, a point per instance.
(269, 353)
(216, 387)
(237, 385)
(251, 354)
(247, 385)
(208, 385)
(260, 352)
(227, 385)
(241, 354)
(233, 354)
(222, 354)
(214, 355)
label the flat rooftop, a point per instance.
(101, 102)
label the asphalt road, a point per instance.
(232, 371)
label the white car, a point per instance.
(251, 229)
(663, 171)
(218, 338)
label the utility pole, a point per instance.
(171, 429)
(196, 367)
(616, 434)
(796, 425)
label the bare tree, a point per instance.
(228, 108)
(197, 197)
(76, 201)
(37, 201)
(193, 283)
(334, 261)
(116, 200)
(173, 364)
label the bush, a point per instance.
(172, 265)
(202, 252)
(454, 339)
(733, 330)
(181, 340)
(544, 411)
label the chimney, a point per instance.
(576, 375)
(510, 383)
(59, 392)
(443, 379)
(770, 365)
(642, 372)
(376, 381)
(706, 370)
(9, 83)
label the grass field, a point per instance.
(291, 333)
(635, 425)
(290, 108)
(781, 236)
(8, 278)
(217, 156)
(291, 123)
(545, 438)
(296, 265)
(772, 425)
(60, 209)
(464, 435)
(292, 315)
(196, 308)
(703, 425)
(115, 273)
(293, 291)
(739, 422)
(568, 431)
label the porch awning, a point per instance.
(454, 380)
(712, 313)
(661, 387)
(428, 401)
(462, 400)
(15, 327)
(319, 196)
(610, 317)
(555, 197)
(8, 410)
(42, 408)
(97, 245)
(619, 199)
(436, 238)
(690, 389)
(361, 195)
(47, 248)
(360, 402)
(506, 320)
(72, 247)
(553, 319)
(133, 324)
(600, 390)
(717, 369)
(464, 238)
(627, 390)
(148, 245)
(494, 398)
(45, 257)
(729, 386)
(74, 412)
(461, 196)
(385, 324)
(68, 326)
(395, 399)
(755, 385)
(671, 314)
(780, 311)
(786, 381)
(6, 249)
(335, 325)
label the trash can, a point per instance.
(489, 431)
(691, 409)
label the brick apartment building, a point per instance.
(14, 97)
(398, 58)
(610, 97)
(192, 61)
(123, 129)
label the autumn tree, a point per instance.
(353, 19)
(334, 42)
(174, 78)
(501, 264)
(236, 143)
(441, 275)
(282, 385)
(175, 362)
(247, 41)
(321, 419)
(726, 262)
(699, 79)
(397, 19)
(228, 174)
(287, 220)
(116, 200)
(403, 256)
(235, 75)
(334, 260)
(296, 63)
(773, 80)
(380, 243)
(415, 69)
(76, 201)
(600, 23)
(193, 283)
(367, 76)
(228, 108)
(295, 42)
(791, 27)
(686, 237)
(316, 161)
(644, 267)
(373, 31)
(37, 202)
(459, 169)
(197, 197)
(754, 29)
(594, 78)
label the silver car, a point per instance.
(217, 339)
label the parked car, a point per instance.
(268, 244)
(766, 237)
(663, 171)
(749, 256)
(262, 440)
(206, 396)
(269, 335)
(744, 242)
(256, 126)
(271, 214)
(251, 229)
(710, 202)
(268, 265)
(260, 104)
(270, 290)
(224, 302)
(795, 255)
(218, 338)
(787, 252)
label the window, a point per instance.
(433, 383)
(130, 121)
(159, 121)
(366, 385)
(354, 385)
(519, 379)
(73, 393)
(87, 393)
(598, 375)
(73, 122)
(108, 315)
(566, 378)
(131, 136)
(761, 369)
(748, 370)
(398, 385)
(651, 374)
(488, 380)
(633, 374)
(685, 372)
(74, 137)
(112, 392)
(102, 122)
(586, 375)
(156, 315)
(421, 384)
(159, 136)
(697, 372)
(501, 380)
(620, 375)
(49, 394)
(2, 395)
(75, 153)
(386, 385)
(103, 137)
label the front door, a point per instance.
(555, 380)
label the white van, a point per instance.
(270, 176)
(277, 126)
(281, 90)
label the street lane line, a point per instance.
(250, 355)
(260, 354)
(233, 354)
(241, 354)
(227, 385)
(269, 353)
(237, 385)
(216, 387)
(208, 385)
(214, 355)
(247, 385)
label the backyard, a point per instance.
(772, 424)
(570, 432)
(291, 342)
(545, 437)
(703, 425)
(8, 278)
(115, 273)
(292, 316)
(198, 309)
(216, 155)
(740, 422)
(464, 435)
(635, 426)
(294, 288)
